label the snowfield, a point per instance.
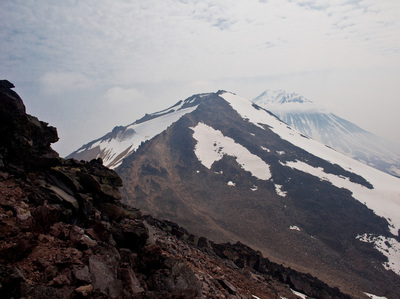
(212, 145)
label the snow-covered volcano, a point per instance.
(328, 128)
(278, 97)
(229, 170)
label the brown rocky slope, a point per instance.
(64, 233)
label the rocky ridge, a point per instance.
(65, 233)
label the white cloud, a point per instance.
(119, 95)
(56, 83)
(147, 41)
(142, 46)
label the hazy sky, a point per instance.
(87, 66)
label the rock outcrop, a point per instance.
(64, 233)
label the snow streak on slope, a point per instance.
(371, 197)
(384, 199)
(372, 296)
(212, 145)
(116, 149)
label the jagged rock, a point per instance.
(101, 231)
(82, 274)
(64, 196)
(104, 275)
(11, 278)
(130, 282)
(79, 238)
(130, 234)
(84, 291)
(39, 292)
(117, 212)
(50, 272)
(227, 285)
(16, 247)
(25, 141)
(60, 280)
(5, 84)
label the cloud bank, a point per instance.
(158, 52)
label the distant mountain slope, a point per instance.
(229, 170)
(328, 128)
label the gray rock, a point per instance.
(65, 196)
(104, 276)
(82, 274)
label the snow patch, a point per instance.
(212, 145)
(265, 149)
(388, 247)
(298, 294)
(294, 227)
(371, 296)
(278, 189)
(254, 188)
(81, 150)
(230, 183)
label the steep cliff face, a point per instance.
(65, 233)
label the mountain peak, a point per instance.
(280, 97)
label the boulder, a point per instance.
(103, 271)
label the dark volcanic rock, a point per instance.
(25, 142)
